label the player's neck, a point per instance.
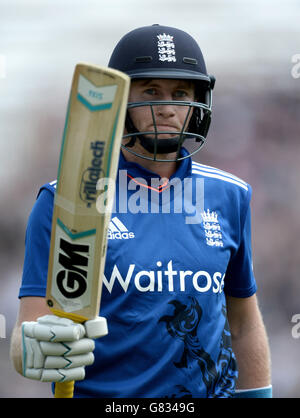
(163, 169)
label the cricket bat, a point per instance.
(89, 152)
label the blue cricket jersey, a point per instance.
(175, 249)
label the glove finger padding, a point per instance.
(53, 328)
(85, 345)
(69, 362)
(62, 375)
(34, 355)
(96, 328)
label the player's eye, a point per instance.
(181, 95)
(150, 91)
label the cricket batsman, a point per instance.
(179, 292)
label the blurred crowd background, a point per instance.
(251, 47)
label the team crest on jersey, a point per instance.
(166, 48)
(212, 228)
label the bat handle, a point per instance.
(64, 389)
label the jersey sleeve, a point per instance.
(239, 278)
(37, 245)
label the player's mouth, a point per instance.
(168, 130)
(164, 127)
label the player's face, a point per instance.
(168, 117)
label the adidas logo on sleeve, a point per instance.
(117, 230)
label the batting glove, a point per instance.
(58, 349)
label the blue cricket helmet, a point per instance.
(161, 52)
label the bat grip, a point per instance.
(64, 389)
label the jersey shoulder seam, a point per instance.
(216, 173)
(51, 187)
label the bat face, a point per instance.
(90, 152)
(73, 273)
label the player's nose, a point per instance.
(166, 110)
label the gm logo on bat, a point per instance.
(72, 280)
(73, 268)
(92, 174)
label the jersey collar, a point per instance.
(135, 170)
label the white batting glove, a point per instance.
(57, 350)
